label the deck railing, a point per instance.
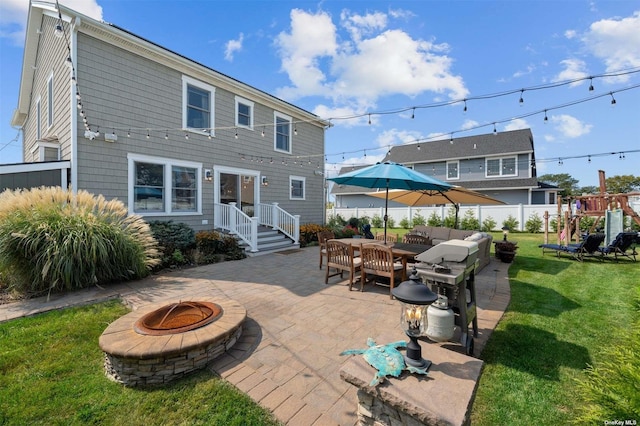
(230, 218)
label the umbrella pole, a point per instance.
(455, 225)
(386, 207)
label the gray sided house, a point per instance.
(171, 138)
(499, 165)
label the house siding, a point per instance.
(52, 53)
(122, 90)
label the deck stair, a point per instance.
(270, 241)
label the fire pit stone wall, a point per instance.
(134, 359)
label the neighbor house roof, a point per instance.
(488, 145)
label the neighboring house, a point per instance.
(500, 165)
(171, 138)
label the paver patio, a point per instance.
(288, 356)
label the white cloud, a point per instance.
(516, 124)
(549, 138)
(570, 34)
(361, 25)
(13, 16)
(529, 70)
(312, 37)
(570, 127)
(573, 69)
(616, 42)
(469, 124)
(394, 137)
(233, 46)
(369, 63)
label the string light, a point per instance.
(148, 134)
(613, 100)
(521, 101)
(591, 84)
(465, 106)
(546, 119)
(495, 131)
(413, 113)
(589, 159)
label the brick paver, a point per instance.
(288, 358)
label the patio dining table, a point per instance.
(403, 251)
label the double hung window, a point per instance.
(282, 135)
(198, 105)
(498, 167)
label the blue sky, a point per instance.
(359, 59)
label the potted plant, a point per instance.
(506, 250)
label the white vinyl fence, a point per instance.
(521, 212)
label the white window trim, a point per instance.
(304, 188)
(276, 115)
(457, 163)
(500, 175)
(167, 163)
(39, 149)
(250, 104)
(50, 101)
(212, 99)
(38, 119)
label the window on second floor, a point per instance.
(498, 167)
(297, 184)
(50, 101)
(244, 113)
(453, 170)
(198, 100)
(282, 134)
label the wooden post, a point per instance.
(546, 227)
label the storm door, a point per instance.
(239, 188)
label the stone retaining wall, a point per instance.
(161, 370)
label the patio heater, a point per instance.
(415, 297)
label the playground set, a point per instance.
(611, 207)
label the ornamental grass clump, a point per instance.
(52, 239)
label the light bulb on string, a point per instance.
(148, 134)
(521, 101)
(591, 84)
(166, 135)
(495, 131)
(546, 119)
(58, 31)
(413, 113)
(186, 136)
(465, 106)
(589, 159)
(613, 100)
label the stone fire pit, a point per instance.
(137, 354)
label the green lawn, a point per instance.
(52, 373)
(564, 315)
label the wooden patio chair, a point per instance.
(323, 236)
(341, 258)
(391, 238)
(378, 260)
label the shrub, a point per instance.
(434, 220)
(469, 221)
(173, 236)
(377, 221)
(212, 246)
(53, 239)
(450, 219)
(419, 220)
(533, 224)
(405, 224)
(511, 222)
(391, 223)
(336, 222)
(309, 233)
(488, 224)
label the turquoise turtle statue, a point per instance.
(386, 359)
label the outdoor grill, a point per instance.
(449, 269)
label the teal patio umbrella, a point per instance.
(387, 176)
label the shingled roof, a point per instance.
(501, 143)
